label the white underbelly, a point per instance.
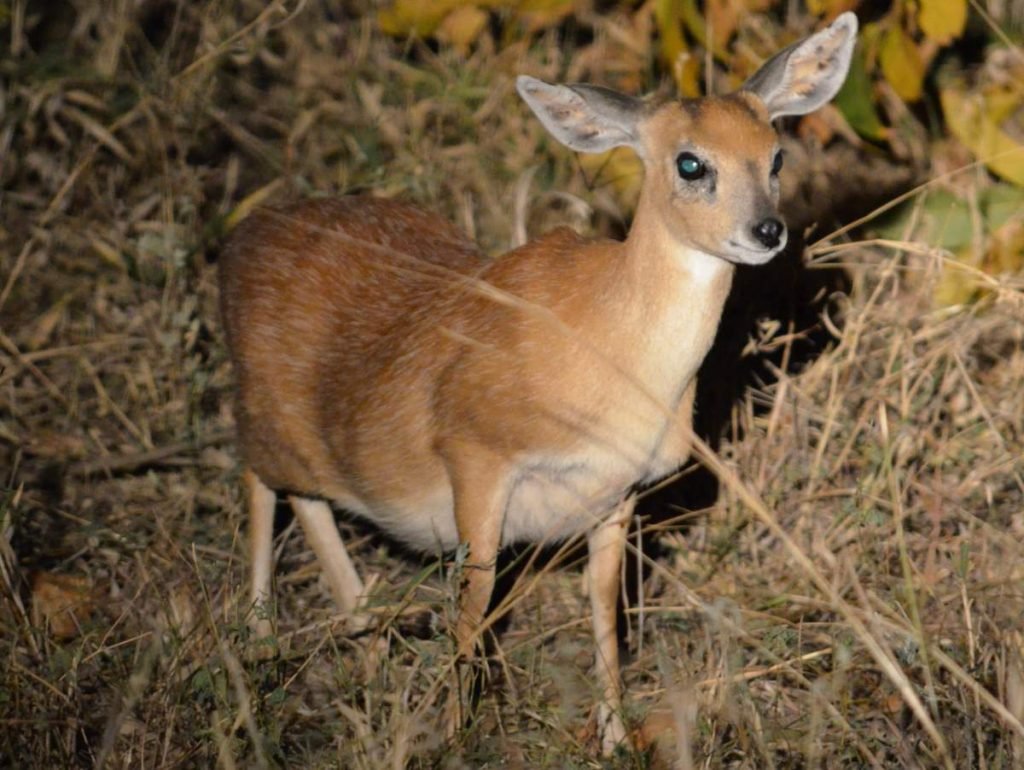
(552, 500)
(426, 523)
(549, 500)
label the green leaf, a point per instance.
(943, 220)
(855, 100)
(1000, 203)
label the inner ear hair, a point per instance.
(805, 76)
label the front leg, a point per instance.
(480, 495)
(606, 545)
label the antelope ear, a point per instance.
(583, 118)
(805, 76)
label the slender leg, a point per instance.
(317, 522)
(480, 491)
(479, 513)
(606, 545)
(261, 500)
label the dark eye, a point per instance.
(690, 166)
(777, 163)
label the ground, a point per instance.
(840, 583)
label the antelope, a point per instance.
(385, 366)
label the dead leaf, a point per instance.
(658, 726)
(621, 168)
(462, 27)
(816, 126)
(894, 703)
(1006, 248)
(47, 322)
(542, 14)
(722, 17)
(61, 603)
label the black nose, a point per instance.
(769, 232)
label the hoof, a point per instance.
(262, 643)
(611, 732)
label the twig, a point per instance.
(129, 462)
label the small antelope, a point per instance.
(386, 366)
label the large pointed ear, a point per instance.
(584, 118)
(805, 76)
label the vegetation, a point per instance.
(839, 581)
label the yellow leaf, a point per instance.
(1002, 103)
(415, 17)
(681, 63)
(620, 168)
(958, 283)
(829, 9)
(462, 27)
(970, 121)
(902, 64)
(943, 20)
(542, 14)
(1006, 248)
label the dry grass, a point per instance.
(854, 595)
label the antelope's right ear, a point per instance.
(583, 118)
(805, 76)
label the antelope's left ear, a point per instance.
(805, 76)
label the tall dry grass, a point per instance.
(851, 596)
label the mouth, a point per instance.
(746, 255)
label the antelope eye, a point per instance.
(777, 163)
(690, 166)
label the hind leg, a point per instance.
(261, 501)
(318, 523)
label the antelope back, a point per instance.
(308, 294)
